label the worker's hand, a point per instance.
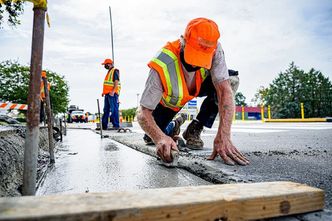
(102, 95)
(228, 152)
(111, 93)
(164, 147)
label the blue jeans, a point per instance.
(111, 104)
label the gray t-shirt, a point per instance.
(154, 90)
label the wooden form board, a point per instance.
(212, 202)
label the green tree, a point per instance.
(260, 96)
(240, 99)
(131, 112)
(295, 86)
(14, 83)
(13, 10)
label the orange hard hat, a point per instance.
(107, 61)
(43, 74)
(201, 38)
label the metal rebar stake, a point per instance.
(33, 114)
(100, 123)
(49, 121)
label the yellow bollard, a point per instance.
(302, 111)
(262, 113)
(269, 112)
(234, 114)
(242, 113)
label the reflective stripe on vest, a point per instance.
(109, 83)
(170, 65)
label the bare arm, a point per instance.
(226, 108)
(147, 123)
(222, 144)
(164, 143)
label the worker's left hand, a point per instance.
(228, 152)
(111, 93)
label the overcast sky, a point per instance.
(260, 39)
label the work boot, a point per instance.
(178, 121)
(113, 128)
(192, 135)
(148, 140)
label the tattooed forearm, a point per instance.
(226, 108)
(147, 123)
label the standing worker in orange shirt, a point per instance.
(42, 96)
(111, 91)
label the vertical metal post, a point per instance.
(269, 112)
(242, 113)
(100, 123)
(61, 129)
(32, 131)
(302, 111)
(112, 35)
(49, 121)
(137, 99)
(65, 123)
(262, 113)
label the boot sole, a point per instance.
(194, 147)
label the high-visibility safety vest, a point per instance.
(168, 65)
(42, 90)
(109, 83)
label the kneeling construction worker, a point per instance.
(111, 91)
(192, 66)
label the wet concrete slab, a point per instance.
(86, 163)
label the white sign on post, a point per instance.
(192, 107)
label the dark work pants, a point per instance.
(111, 104)
(42, 112)
(207, 113)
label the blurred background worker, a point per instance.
(43, 96)
(111, 91)
(192, 66)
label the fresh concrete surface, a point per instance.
(86, 163)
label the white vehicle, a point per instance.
(78, 116)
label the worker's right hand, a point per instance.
(164, 147)
(102, 95)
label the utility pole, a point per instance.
(112, 34)
(32, 130)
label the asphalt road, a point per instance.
(299, 152)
